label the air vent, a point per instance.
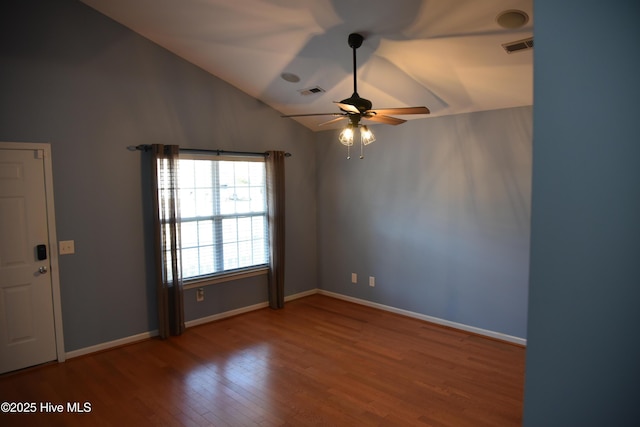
(311, 91)
(518, 45)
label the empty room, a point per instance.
(319, 212)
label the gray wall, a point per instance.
(71, 77)
(438, 212)
(90, 87)
(583, 355)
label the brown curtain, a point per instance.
(275, 202)
(167, 240)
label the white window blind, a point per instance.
(223, 214)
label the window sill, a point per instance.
(236, 275)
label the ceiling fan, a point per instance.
(356, 108)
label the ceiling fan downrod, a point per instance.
(355, 41)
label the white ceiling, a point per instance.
(443, 54)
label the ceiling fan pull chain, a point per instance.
(348, 152)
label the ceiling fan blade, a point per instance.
(312, 114)
(347, 107)
(401, 111)
(385, 119)
(337, 119)
(355, 107)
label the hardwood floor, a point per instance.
(319, 361)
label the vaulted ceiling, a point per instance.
(443, 54)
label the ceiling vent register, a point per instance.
(518, 45)
(311, 91)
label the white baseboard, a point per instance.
(436, 320)
(301, 295)
(111, 344)
(146, 335)
(218, 316)
(241, 310)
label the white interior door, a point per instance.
(27, 321)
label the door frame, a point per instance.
(52, 237)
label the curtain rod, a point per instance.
(147, 147)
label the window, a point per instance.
(223, 215)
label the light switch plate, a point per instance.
(66, 247)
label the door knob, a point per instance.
(42, 269)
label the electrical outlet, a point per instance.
(372, 281)
(66, 247)
(354, 278)
(200, 295)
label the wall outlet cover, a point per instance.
(66, 247)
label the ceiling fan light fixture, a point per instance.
(366, 136)
(346, 136)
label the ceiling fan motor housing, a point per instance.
(360, 103)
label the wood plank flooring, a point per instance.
(318, 362)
